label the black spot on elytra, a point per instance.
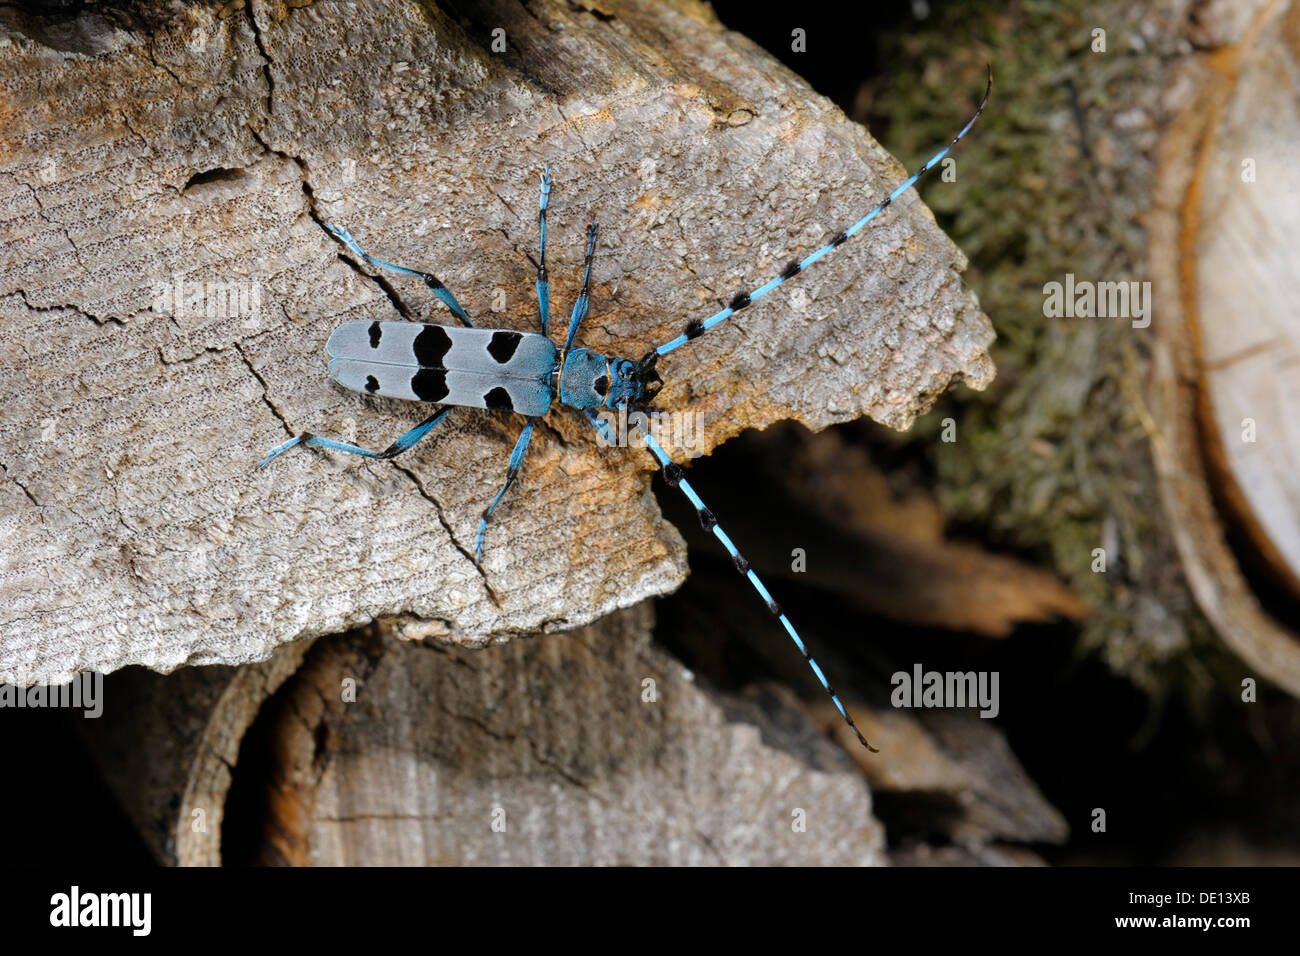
(372, 384)
(503, 345)
(601, 385)
(376, 333)
(431, 346)
(499, 400)
(430, 384)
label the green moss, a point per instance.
(1052, 460)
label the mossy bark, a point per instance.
(1055, 459)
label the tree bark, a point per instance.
(1113, 446)
(203, 148)
(591, 748)
(595, 747)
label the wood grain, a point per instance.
(1176, 393)
(379, 750)
(209, 143)
(1243, 245)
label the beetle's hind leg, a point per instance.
(404, 443)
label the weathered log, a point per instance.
(1240, 246)
(883, 551)
(167, 747)
(201, 148)
(594, 747)
(947, 775)
(1225, 383)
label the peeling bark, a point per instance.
(209, 144)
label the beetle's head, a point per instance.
(633, 383)
(591, 380)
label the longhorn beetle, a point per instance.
(524, 372)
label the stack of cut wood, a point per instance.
(167, 284)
